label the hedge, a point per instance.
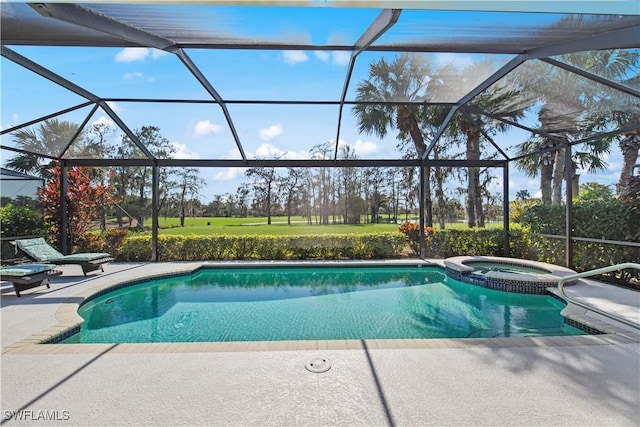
(611, 219)
(449, 243)
(268, 247)
(589, 256)
(441, 244)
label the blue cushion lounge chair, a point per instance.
(40, 251)
(27, 276)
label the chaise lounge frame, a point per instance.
(22, 279)
(87, 261)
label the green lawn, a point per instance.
(279, 226)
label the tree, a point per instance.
(431, 119)
(323, 179)
(243, 196)
(135, 181)
(86, 201)
(393, 178)
(187, 186)
(523, 195)
(264, 179)
(52, 138)
(612, 107)
(497, 99)
(374, 179)
(347, 189)
(406, 78)
(630, 146)
(409, 189)
(594, 191)
(290, 185)
(571, 108)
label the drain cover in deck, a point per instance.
(318, 364)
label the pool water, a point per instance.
(214, 305)
(485, 267)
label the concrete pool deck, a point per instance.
(581, 380)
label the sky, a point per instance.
(200, 131)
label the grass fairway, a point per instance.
(208, 226)
(248, 226)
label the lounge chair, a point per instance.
(27, 276)
(40, 251)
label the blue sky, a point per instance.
(266, 131)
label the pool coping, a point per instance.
(68, 321)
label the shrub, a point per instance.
(412, 232)
(16, 222)
(449, 243)
(115, 240)
(609, 219)
(517, 208)
(110, 241)
(199, 248)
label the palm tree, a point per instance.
(630, 146)
(622, 111)
(405, 78)
(571, 108)
(50, 138)
(431, 119)
(496, 99)
(562, 108)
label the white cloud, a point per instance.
(294, 56)
(360, 148)
(337, 58)
(228, 174)
(268, 151)
(519, 181)
(133, 75)
(114, 106)
(322, 55)
(102, 120)
(364, 148)
(182, 152)
(268, 133)
(341, 58)
(457, 60)
(157, 53)
(205, 127)
(296, 155)
(137, 75)
(132, 54)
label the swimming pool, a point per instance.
(273, 304)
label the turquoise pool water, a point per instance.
(484, 267)
(314, 304)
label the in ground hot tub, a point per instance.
(506, 274)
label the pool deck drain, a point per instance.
(318, 364)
